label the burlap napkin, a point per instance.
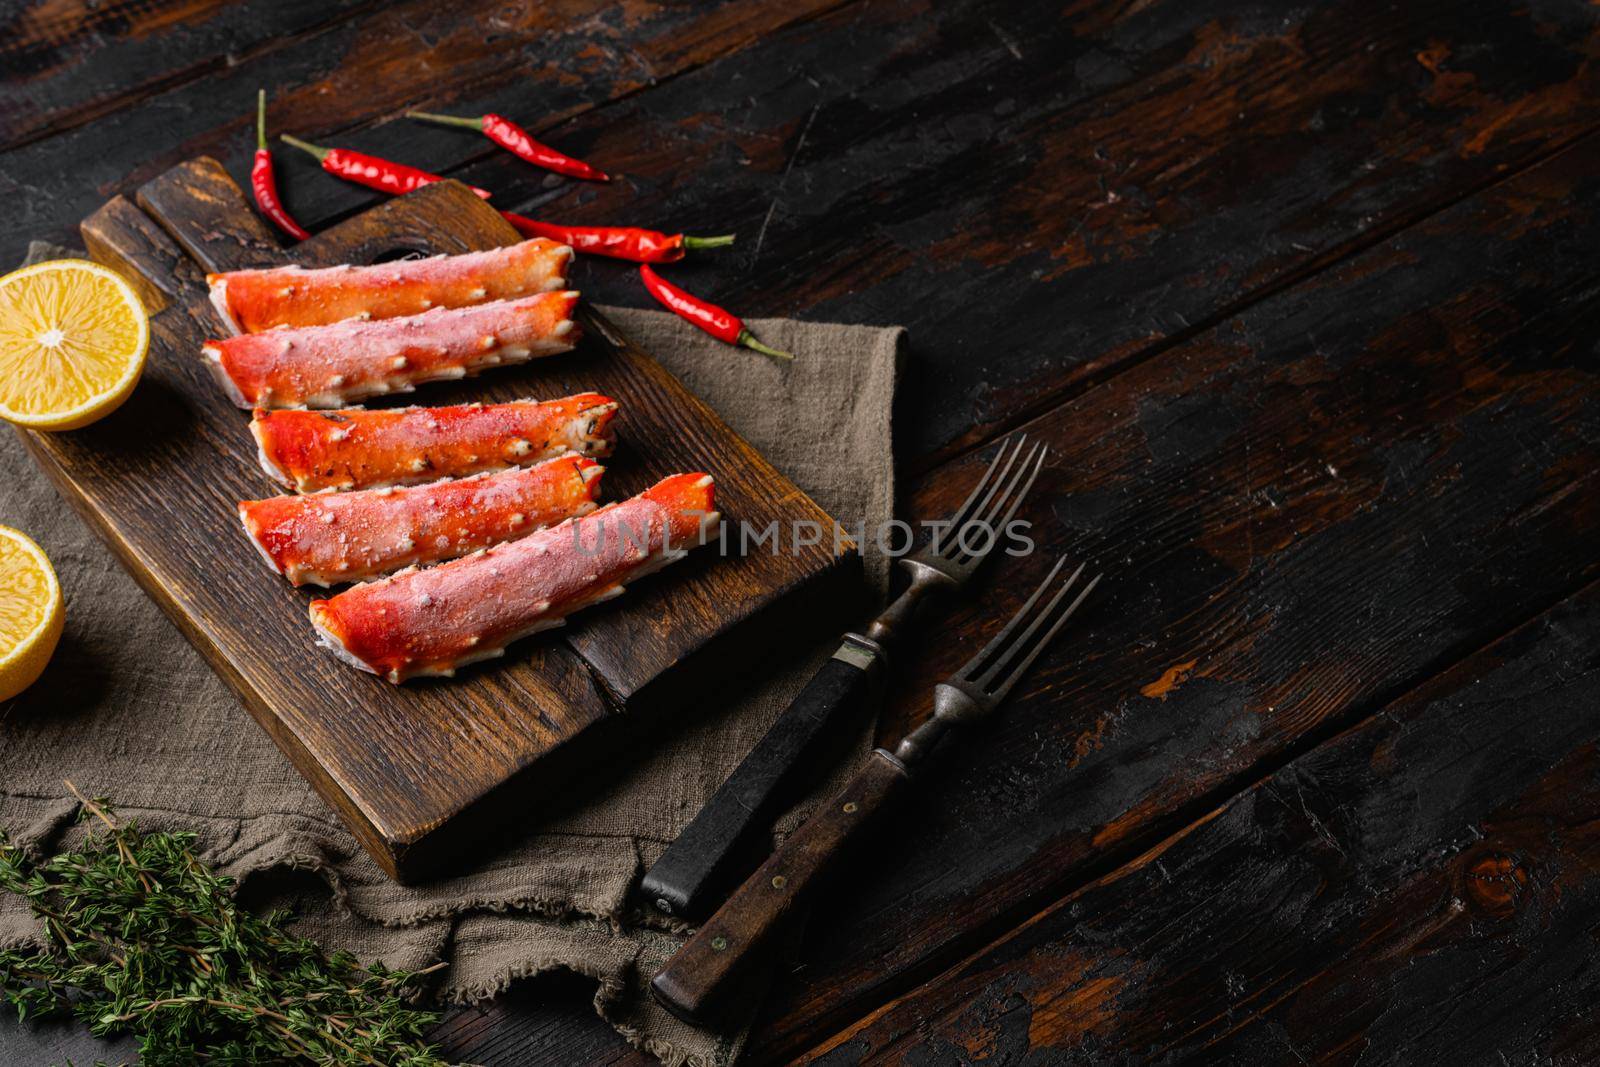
(128, 710)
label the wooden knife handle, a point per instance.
(697, 982)
(704, 860)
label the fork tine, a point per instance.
(1021, 641)
(963, 518)
(978, 664)
(1026, 474)
(1005, 446)
(999, 692)
(1044, 453)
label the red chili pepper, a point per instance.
(262, 183)
(618, 242)
(508, 135)
(718, 322)
(384, 175)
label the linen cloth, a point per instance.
(127, 709)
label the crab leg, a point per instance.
(333, 538)
(253, 300)
(436, 620)
(330, 366)
(358, 448)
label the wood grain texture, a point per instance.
(1419, 890)
(1086, 188)
(1081, 190)
(151, 261)
(408, 767)
(545, 1021)
(1044, 195)
(1333, 495)
(206, 213)
(64, 63)
(349, 82)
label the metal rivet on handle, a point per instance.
(779, 881)
(850, 808)
(719, 943)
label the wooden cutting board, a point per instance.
(417, 770)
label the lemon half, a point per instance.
(30, 612)
(73, 337)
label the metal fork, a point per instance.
(978, 688)
(699, 981)
(706, 858)
(950, 562)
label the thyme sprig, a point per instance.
(141, 937)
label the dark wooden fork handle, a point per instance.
(699, 981)
(704, 861)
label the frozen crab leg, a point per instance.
(253, 300)
(333, 538)
(433, 621)
(358, 448)
(331, 366)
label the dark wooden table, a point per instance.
(1306, 299)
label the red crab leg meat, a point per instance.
(359, 448)
(332, 366)
(433, 621)
(253, 300)
(333, 538)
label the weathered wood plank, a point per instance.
(204, 212)
(1442, 119)
(1041, 195)
(1389, 129)
(1421, 889)
(1074, 202)
(146, 255)
(70, 62)
(555, 59)
(547, 1021)
(1329, 496)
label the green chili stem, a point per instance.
(446, 120)
(696, 244)
(306, 146)
(748, 339)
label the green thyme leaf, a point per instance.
(143, 938)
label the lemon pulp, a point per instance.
(30, 612)
(73, 337)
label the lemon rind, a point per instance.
(51, 616)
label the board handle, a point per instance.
(701, 979)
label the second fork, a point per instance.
(708, 974)
(704, 859)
